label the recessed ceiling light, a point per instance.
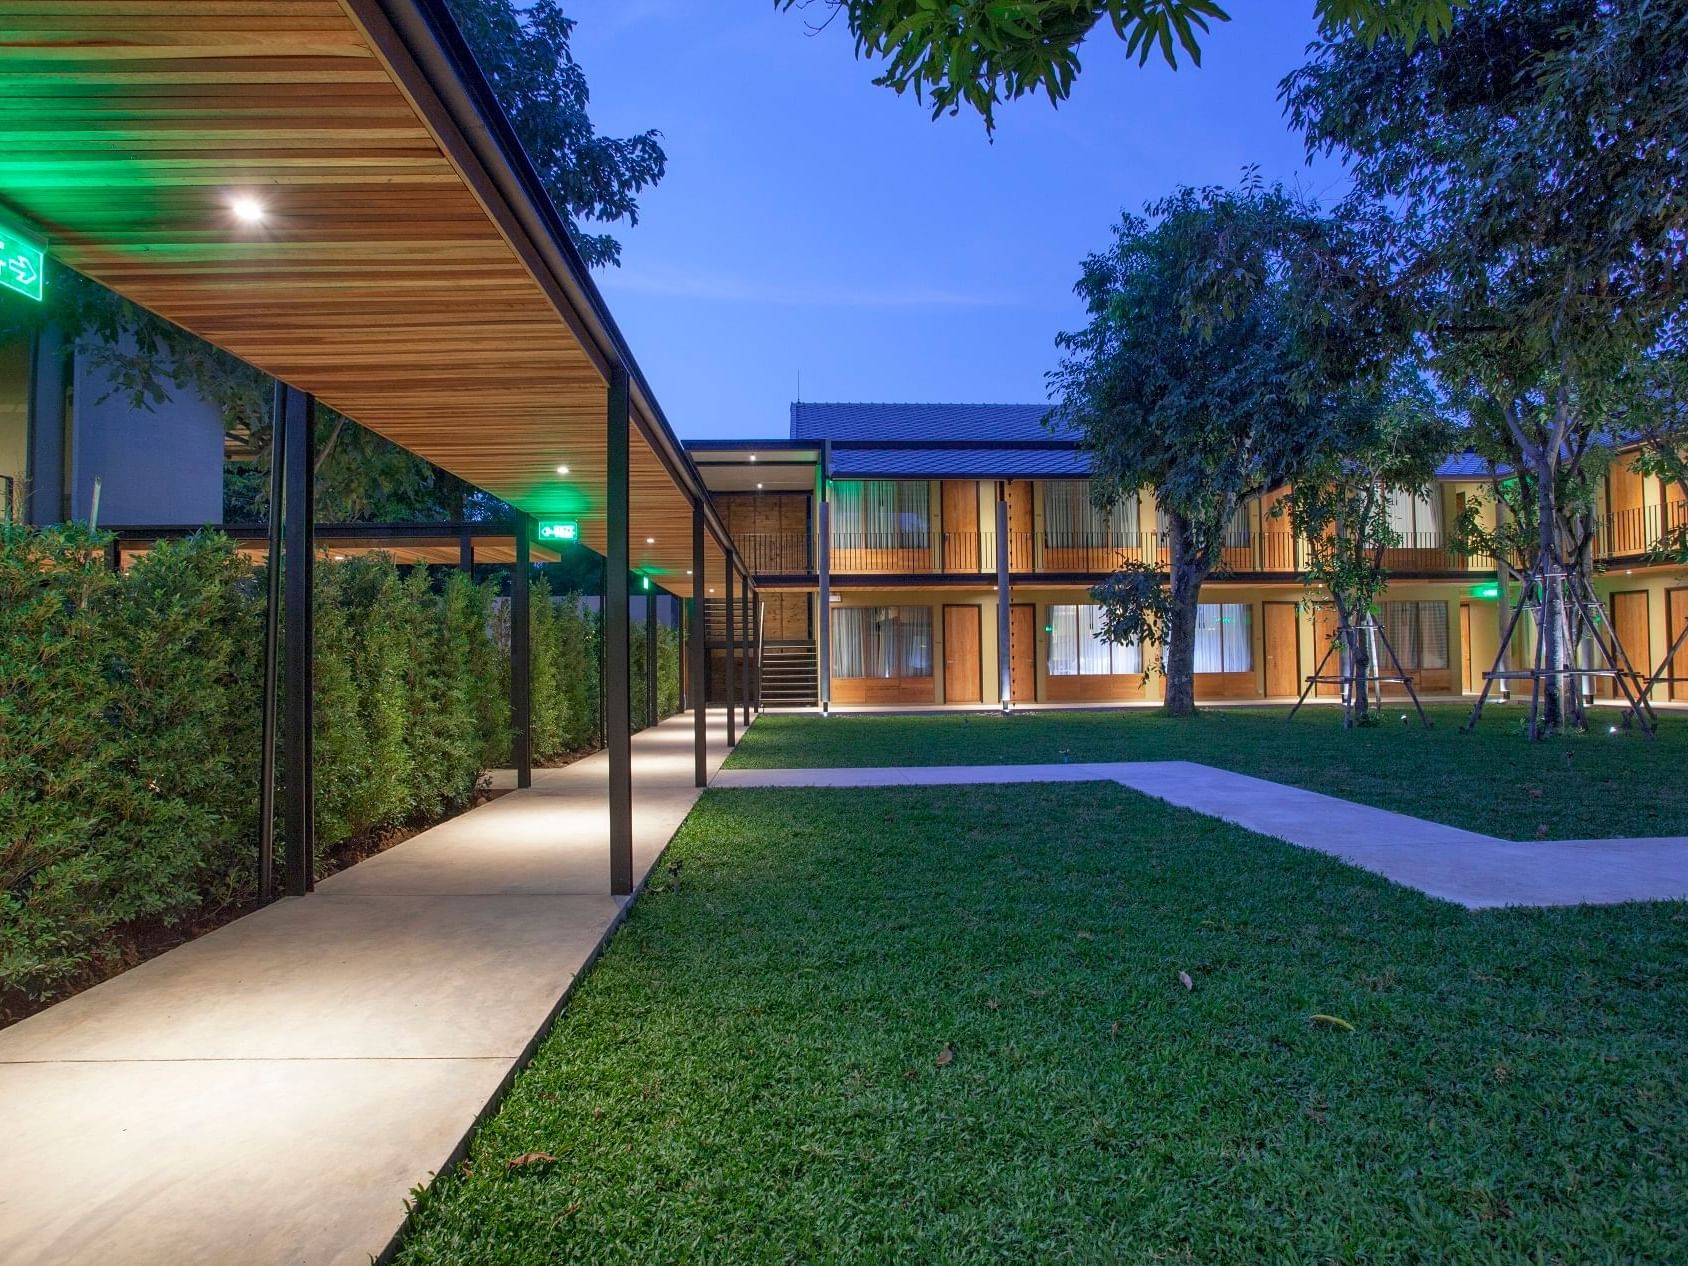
(758, 485)
(753, 457)
(688, 571)
(650, 540)
(562, 470)
(247, 210)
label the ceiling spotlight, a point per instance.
(753, 457)
(688, 571)
(758, 485)
(562, 470)
(247, 210)
(650, 540)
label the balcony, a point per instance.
(1638, 530)
(775, 553)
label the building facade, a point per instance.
(928, 555)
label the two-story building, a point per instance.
(941, 554)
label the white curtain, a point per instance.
(1078, 649)
(1224, 637)
(1417, 521)
(1070, 517)
(1419, 633)
(882, 642)
(881, 514)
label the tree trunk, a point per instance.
(1188, 572)
(1356, 668)
(1554, 654)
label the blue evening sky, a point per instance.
(814, 228)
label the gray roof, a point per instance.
(951, 423)
(982, 462)
(1466, 465)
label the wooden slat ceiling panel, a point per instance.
(377, 281)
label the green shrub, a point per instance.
(127, 760)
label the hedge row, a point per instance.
(129, 724)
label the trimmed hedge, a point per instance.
(129, 725)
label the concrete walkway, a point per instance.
(270, 1093)
(1472, 870)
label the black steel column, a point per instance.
(521, 655)
(732, 654)
(46, 481)
(1004, 631)
(699, 663)
(466, 553)
(823, 617)
(299, 555)
(618, 720)
(272, 650)
(758, 613)
(650, 658)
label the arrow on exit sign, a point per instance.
(22, 262)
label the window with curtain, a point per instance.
(1419, 633)
(882, 642)
(1071, 518)
(1417, 521)
(881, 513)
(1078, 649)
(1224, 637)
(1237, 533)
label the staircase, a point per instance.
(788, 675)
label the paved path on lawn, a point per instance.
(1473, 870)
(270, 1093)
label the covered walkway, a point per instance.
(272, 1092)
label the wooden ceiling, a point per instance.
(384, 277)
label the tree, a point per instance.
(1386, 443)
(1534, 153)
(1218, 336)
(980, 53)
(524, 52)
(1655, 412)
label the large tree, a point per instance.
(593, 180)
(1220, 330)
(980, 53)
(1535, 155)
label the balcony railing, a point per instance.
(1270, 551)
(775, 553)
(1638, 530)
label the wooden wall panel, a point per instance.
(882, 691)
(1228, 685)
(1104, 688)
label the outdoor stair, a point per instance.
(788, 675)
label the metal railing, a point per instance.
(1638, 529)
(775, 553)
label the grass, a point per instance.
(756, 1069)
(1578, 787)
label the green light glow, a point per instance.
(1490, 590)
(23, 261)
(564, 530)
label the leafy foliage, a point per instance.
(129, 725)
(1535, 156)
(1387, 442)
(1220, 338)
(980, 53)
(524, 53)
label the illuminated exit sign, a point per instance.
(22, 261)
(561, 530)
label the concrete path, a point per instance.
(1472, 870)
(270, 1093)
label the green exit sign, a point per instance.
(22, 261)
(561, 530)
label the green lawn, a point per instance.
(1494, 781)
(756, 1070)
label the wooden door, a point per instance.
(1464, 643)
(1676, 618)
(960, 526)
(1324, 633)
(1283, 651)
(1022, 652)
(1019, 526)
(963, 674)
(1629, 623)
